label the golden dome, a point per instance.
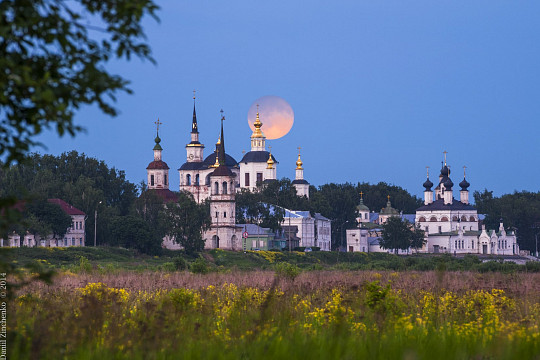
(216, 164)
(257, 133)
(270, 161)
(299, 163)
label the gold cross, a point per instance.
(361, 195)
(299, 148)
(222, 117)
(269, 149)
(158, 123)
(193, 94)
(388, 197)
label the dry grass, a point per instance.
(516, 285)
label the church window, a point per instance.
(463, 218)
(188, 179)
(225, 187)
(224, 214)
(208, 180)
(463, 244)
(444, 218)
(246, 180)
(197, 179)
(454, 218)
(472, 218)
(472, 244)
(433, 219)
(165, 181)
(259, 177)
(455, 244)
(152, 180)
(217, 214)
(440, 229)
(216, 188)
(365, 216)
(422, 219)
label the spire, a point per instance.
(299, 162)
(194, 128)
(221, 153)
(157, 139)
(257, 133)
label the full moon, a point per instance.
(276, 115)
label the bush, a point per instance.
(199, 266)
(84, 265)
(287, 271)
(168, 266)
(180, 263)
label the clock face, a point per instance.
(190, 156)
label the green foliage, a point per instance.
(287, 271)
(84, 265)
(43, 218)
(186, 220)
(133, 232)
(400, 234)
(520, 210)
(180, 263)
(199, 266)
(168, 267)
(53, 63)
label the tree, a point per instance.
(133, 232)
(186, 222)
(400, 234)
(53, 63)
(46, 219)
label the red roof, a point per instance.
(67, 208)
(157, 165)
(166, 194)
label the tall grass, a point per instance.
(257, 315)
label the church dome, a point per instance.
(427, 184)
(211, 160)
(445, 171)
(157, 165)
(448, 184)
(464, 185)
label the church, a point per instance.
(217, 178)
(450, 225)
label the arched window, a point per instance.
(422, 219)
(152, 180)
(433, 219)
(444, 218)
(463, 218)
(208, 179)
(454, 218)
(472, 218)
(365, 216)
(197, 179)
(188, 179)
(216, 188)
(224, 187)
(165, 179)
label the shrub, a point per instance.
(84, 265)
(180, 263)
(287, 271)
(168, 266)
(199, 266)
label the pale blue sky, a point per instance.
(379, 89)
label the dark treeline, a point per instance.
(90, 185)
(520, 211)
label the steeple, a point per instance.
(428, 194)
(157, 147)
(157, 171)
(301, 185)
(464, 192)
(194, 149)
(194, 128)
(258, 140)
(221, 154)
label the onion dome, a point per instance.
(270, 161)
(428, 184)
(299, 163)
(448, 184)
(157, 140)
(257, 133)
(464, 185)
(361, 206)
(445, 171)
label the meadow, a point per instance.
(278, 314)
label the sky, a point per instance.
(379, 90)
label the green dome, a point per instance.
(157, 140)
(362, 207)
(389, 210)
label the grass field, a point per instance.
(262, 314)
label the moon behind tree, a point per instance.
(276, 115)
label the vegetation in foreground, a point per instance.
(112, 260)
(385, 315)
